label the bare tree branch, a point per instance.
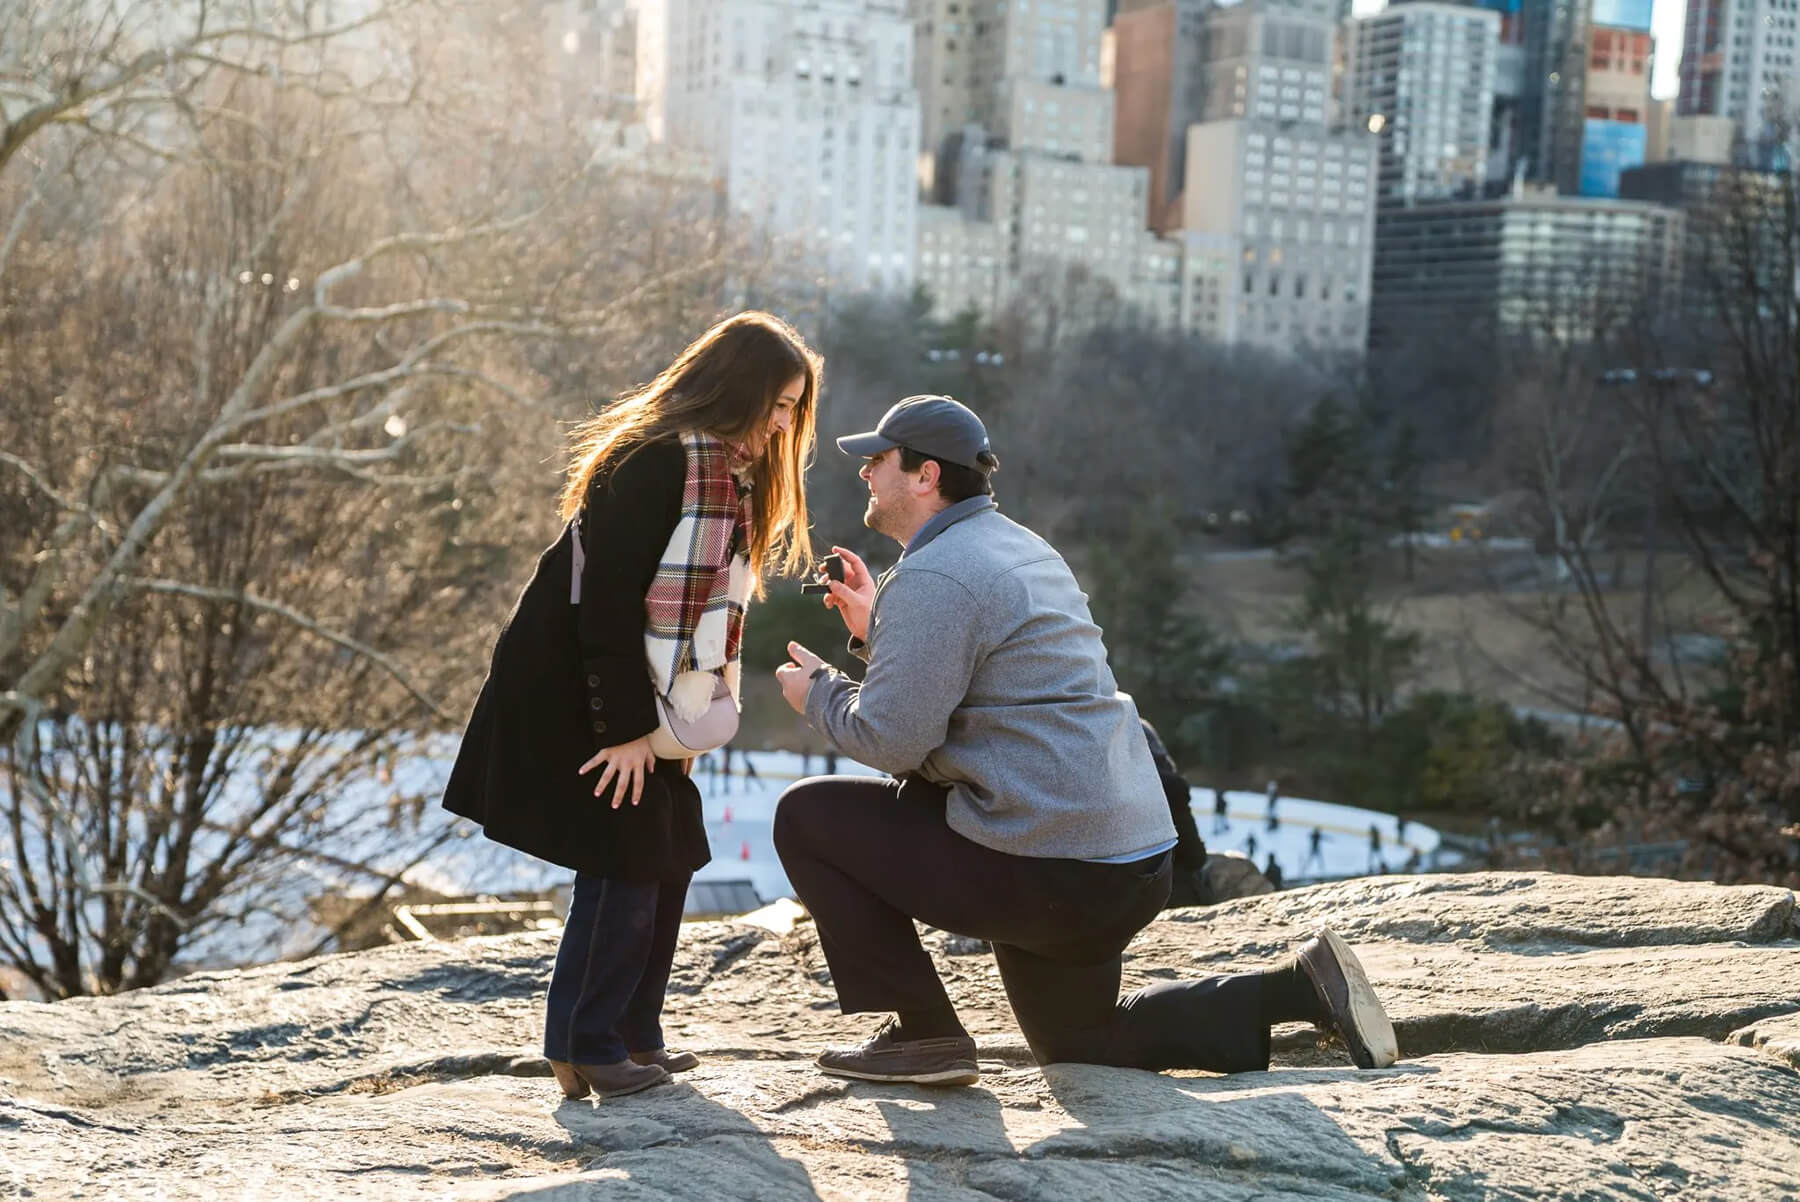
(49, 490)
(81, 90)
(385, 663)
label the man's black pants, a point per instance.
(868, 856)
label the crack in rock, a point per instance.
(1537, 1028)
(11, 1108)
(425, 1072)
(816, 1095)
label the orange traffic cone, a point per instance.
(728, 813)
(745, 853)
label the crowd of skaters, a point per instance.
(721, 766)
(1314, 860)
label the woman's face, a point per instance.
(781, 418)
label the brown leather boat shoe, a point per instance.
(944, 1061)
(1343, 987)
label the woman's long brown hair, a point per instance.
(727, 383)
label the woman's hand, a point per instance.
(854, 595)
(627, 764)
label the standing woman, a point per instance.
(679, 498)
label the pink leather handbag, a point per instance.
(716, 726)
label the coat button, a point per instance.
(593, 681)
(596, 704)
(599, 727)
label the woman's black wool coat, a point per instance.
(566, 682)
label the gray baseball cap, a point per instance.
(933, 425)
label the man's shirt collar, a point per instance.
(947, 518)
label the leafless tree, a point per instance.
(1116, 410)
(292, 307)
(1683, 444)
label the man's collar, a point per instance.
(946, 518)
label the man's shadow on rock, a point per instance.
(939, 1133)
(1129, 1133)
(1246, 1125)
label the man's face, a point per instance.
(890, 499)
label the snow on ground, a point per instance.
(739, 808)
(740, 814)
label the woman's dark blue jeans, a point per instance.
(606, 992)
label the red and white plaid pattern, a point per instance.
(694, 611)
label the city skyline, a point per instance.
(1238, 171)
(1665, 26)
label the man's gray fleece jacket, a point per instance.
(988, 675)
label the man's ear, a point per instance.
(929, 471)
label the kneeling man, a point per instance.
(1026, 811)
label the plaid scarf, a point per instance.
(694, 611)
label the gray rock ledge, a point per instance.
(1563, 1037)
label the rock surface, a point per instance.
(1779, 1037)
(1563, 1037)
(1231, 874)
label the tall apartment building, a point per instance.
(1551, 105)
(943, 50)
(1158, 85)
(1027, 74)
(1183, 62)
(1287, 213)
(1017, 151)
(1524, 266)
(1421, 77)
(1738, 60)
(1226, 107)
(809, 111)
(1505, 130)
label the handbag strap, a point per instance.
(577, 559)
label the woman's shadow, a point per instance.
(673, 1141)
